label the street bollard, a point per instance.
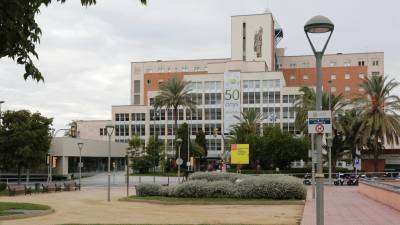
(154, 179)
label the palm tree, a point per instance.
(380, 121)
(173, 94)
(249, 123)
(306, 102)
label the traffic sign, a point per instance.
(319, 122)
(357, 162)
(179, 161)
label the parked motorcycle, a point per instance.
(352, 181)
(339, 180)
(307, 179)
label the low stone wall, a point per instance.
(381, 192)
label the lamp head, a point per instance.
(179, 141)
(319, 24)
(80, 145)
(110, 129)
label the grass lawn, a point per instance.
(211, 201)
(4, 193)
(4, 206)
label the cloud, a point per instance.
(85, 51)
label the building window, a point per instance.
(375, 73)
(271, 97)
(292, 77)
(212, 98)
(347, 76)
(332, 64)
(360, 89)
(271, 114)
(347, 88)
(289, 98)
(292, 65)
(333, 77)
(305, 77)
(138, 129)
(212, 114)
(361, 76)
(361, 63)
(148, 82)
(333, 89)
(375, 63)
(102, 132)
(347, 63)
(267, 84)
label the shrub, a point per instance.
(271, 187)
(226, 185)
(147, 189)
(3, 186)
(215, 176)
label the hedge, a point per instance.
(229, 185)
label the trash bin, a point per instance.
(37, 187)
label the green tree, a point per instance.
(153, 148)
(135, 145)
(380, 120)
(19, 32)
(174, 93)
(183, 134)
(280, 148)
(201, 141)
(24, 140)
(248, 125)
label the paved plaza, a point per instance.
(345, 206)
(89, 206)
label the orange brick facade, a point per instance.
(152, 81)
(296, 78)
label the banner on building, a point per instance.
(240, 154)
(231, 99)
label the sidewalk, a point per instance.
(345, 206)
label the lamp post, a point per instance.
(110, 130)
(80, 146)
(330, 138)
(127, 171)
(179, 160)
(319, 25)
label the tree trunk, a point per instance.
(376, 154)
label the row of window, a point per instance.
(169, 69)
(247, 84)
(346, 63)
(333, 76)
(256, 84)
(134, 117)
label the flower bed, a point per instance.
(230, 185)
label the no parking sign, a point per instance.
(319, 122)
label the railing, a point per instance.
(382, 185)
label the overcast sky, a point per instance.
(85, 52)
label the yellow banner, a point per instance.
(240, 154)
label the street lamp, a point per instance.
(179, 160)
(80, 146)
(329, 140)
(110, 130)
(319, 25)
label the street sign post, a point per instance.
(179, 161)
(319, 122)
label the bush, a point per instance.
(3, 186)
(147, 189)
(215, 176)
(225, 185)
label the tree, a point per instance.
(135, 145)
(183, 134)
(380, 120)
(19, 32)
(201, 141)
(24, 140)
(153, 148)
(279, 148)
(174, 93)
(248, 124)
(306, 102)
